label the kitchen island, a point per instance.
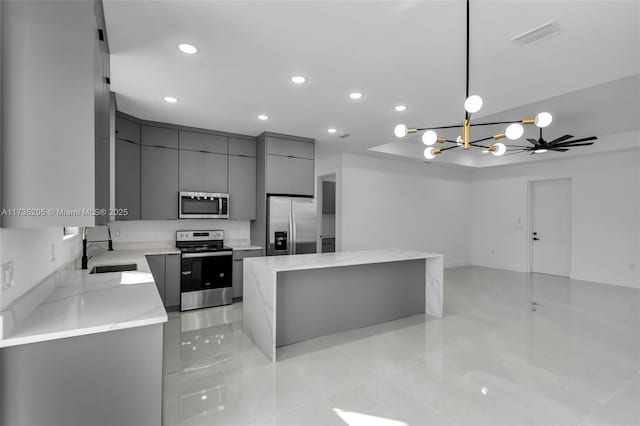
(84, 348)
(289, 299)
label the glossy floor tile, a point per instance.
(491, 360)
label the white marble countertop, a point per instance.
(242, 246)
(83, 303)
(330, 260)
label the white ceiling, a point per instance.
(395, 52)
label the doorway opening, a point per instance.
(550, 226)
(327, 209)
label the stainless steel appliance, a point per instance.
(205, 270)
(203, 205)
(291, 225)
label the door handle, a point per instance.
(536, 239)
(186, 273)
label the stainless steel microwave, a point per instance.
(203, 205)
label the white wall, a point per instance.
(35, 253)
(385, 203)
(605, 200)
(165, 230)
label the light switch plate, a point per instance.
(6, 275)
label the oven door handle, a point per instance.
(207, 254)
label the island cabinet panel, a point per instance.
(157, 267)
(205, 142)
(127, 130)
(172, 280)
(290, 147)
(238, 256)
(242, 147)
(128, 179)
(242, 188)
(159, 136)
(203, 172)
(159, 183)
(289, 175)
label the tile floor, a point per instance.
(489, 361)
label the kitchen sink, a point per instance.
(114, 268)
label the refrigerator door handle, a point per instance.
(295, 236)
(291, 239)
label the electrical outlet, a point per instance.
(53, 252)
(6, 276)
(632, 266)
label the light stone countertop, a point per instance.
(329, 260)
(81, 303)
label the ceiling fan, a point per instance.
(561, 144)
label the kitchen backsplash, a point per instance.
(158, 230)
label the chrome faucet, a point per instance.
(85, 259)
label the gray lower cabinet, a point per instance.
(172, 280)
(242, 188)
(238, 256)
(289, 175)
(159, 183)
(203, 172)
(157, 267)
(128, 179)
(166, 273)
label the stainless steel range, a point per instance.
(206, 269)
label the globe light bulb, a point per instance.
(459, 140)
(514, 131)
(400, 130)
(428, 153)
(473, 104)
(543, 119)
(429, 137)
(500, 149)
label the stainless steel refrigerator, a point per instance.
(291, 225)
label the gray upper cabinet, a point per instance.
(202, 172)
(289, 147)
(159, 183)
(128, 179)
(159, 136)
(242, 187)
(289, 175)
(127, 130)
(204, 142)
(172, 280)
(242, 147)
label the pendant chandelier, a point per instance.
(472, 104)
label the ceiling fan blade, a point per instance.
(560, 139)
(570, 144)
(533, 141)
(558, 149)
(590, 138)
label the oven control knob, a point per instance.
(222, 275)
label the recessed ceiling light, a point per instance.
(263, 117)
(298, 79)
(331, 130)
(355, 95)
(187, 48)
(400, 108)
(170, 99)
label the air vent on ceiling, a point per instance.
(543, 32)
(344, 135)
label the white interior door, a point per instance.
(551, 231)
